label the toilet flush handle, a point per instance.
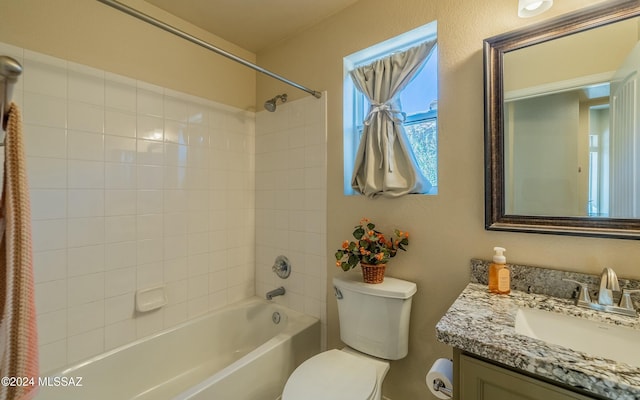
(338, 293)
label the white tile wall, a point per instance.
(291, 214)
(132, 185)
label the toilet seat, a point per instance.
(333, 374)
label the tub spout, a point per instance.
(276, 292)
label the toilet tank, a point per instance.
(374, 318)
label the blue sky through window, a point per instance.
(423, 90)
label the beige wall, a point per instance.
(448, 229)
(91, 33)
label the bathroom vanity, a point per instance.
(497, 354)
(480, 379)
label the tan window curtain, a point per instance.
(385, 164)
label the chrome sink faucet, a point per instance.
(608, 285)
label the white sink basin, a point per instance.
(617, 343)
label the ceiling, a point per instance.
(253, 24)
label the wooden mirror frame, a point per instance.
(494, 50)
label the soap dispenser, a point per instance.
(499, 274)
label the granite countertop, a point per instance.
(483, 324)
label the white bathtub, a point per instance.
(236, 353)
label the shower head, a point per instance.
(270, 105)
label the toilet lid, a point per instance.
(334, 375)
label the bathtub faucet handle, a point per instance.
(282, 267)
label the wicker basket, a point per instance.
(373, 273)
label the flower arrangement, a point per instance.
(370, 247)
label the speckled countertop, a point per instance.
(484, 324)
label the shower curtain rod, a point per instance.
(148, 19)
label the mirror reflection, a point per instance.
(571, 110)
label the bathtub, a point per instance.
(236, 353)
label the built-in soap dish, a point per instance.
(151, 298)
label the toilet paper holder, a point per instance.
(439, 379)
(439, 386)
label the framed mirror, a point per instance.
(562, 125)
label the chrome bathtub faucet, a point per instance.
(275, 292)
(608, 285)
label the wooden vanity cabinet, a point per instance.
(475, 379)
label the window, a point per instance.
(419, 102)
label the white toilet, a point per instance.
(374, 323)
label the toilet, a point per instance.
(374, 324)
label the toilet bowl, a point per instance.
(374, 324)
(338, 375)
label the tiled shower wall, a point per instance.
(291, 211)
(132, 186)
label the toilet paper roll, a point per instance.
(441, 371)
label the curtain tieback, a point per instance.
(393, 114)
